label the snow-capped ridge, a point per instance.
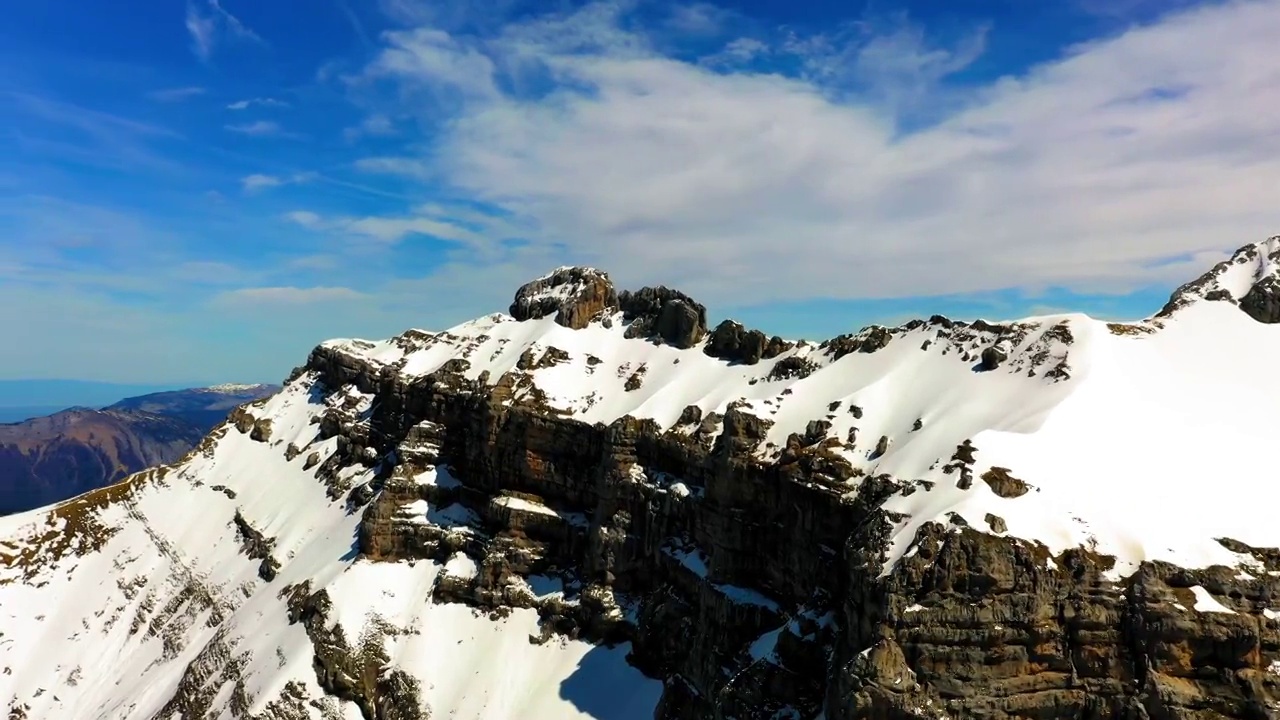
(894, 400)
(1249, 279)
(229, 388)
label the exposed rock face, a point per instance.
(575, 295)
(993, 356)
(664, 314)
(1004, 484)
(978, 626)
(754, 589)
(733, 342)
(1262, 302)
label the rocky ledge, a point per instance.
(758, 588)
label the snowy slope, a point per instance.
(1145, 441)
(107, 627)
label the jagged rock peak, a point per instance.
(1249, 279)
(664, 314)
(733, 342)
(575, 295)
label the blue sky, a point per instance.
(201, 192)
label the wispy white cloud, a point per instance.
(251, 183)
(394, 229)
(357, 26)
(260, 128)
(1086, 172)
(376, 125)
(233, 23)
(461, 226)
(738, 51)
(406, 166)
(177, 94)
(62, 131)
(202, 29)
(208, 272)
(408, 12)
(207, 22)
(319, 263)
(699, 18)
(257, 181)
(261, 102)
(88, 120)
(894, 61)
(287, 295)
(449, 70)
(305, 218)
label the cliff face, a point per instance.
(754, 589)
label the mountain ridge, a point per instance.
(50, 458)
(941, 519)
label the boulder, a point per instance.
(663, 314)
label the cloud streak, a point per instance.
(261, 102)
(178, 94)
(429, 221)
(202, 29)
(207, 23)
(260, 128)
(252, 183)
(257, 181)
(287, 295)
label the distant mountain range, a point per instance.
(54, 457)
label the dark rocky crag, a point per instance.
(753, 589)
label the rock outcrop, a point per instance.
(574, 295)
(1262, 302)
(665, 315)
(733, 342)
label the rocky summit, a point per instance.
(599, 506)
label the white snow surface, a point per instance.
(107, 634)
(1158, 439)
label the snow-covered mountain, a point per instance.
(598, 506)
